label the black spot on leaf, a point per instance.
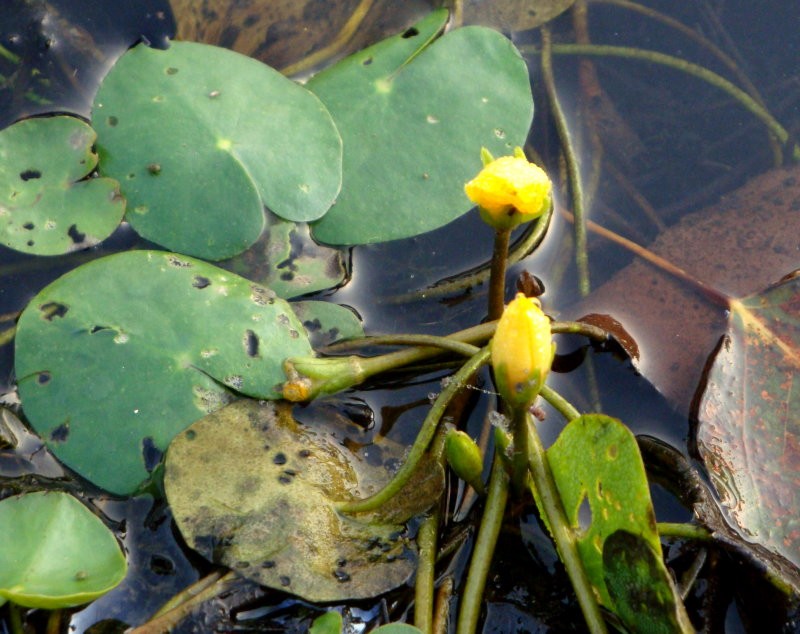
(76, 236)
(51, 310)
(60, 433)
(410, 33)
(251, 342)
(201, 282)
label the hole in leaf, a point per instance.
(410, 33)
(76, 236)
(30, 174)
(51, 310)
(162, 566)
(584, 516)
(29, 226)
(201, 282)
(367, 61)
(60, 433)
(251, 343)
(279, 459)
(43, 378)
(96, 329)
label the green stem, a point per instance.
(443, 343)
(315, 376)
(519, 459)
(563, 535)
(685, 66)
(561, 405)
(424, 585)
(573, 165)
(491, 522)
(15, 616)
(684, 530)
(530, 239)
(422, 440)
(497, 277)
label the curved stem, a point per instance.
(687, 67)
(563, 535)
(491, 522)
(423, 439)
(559, 403)
(336, 45)
(573, 165)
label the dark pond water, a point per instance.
(667, 138)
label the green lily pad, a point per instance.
(254, 490)
(414, 112)
(201, 138)
(598, 469)
(55, 553)
(47, 206)
(116, 357)
(326, 322)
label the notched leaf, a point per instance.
(48, 206)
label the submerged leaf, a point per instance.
(47, 206)
(748, 431)
(514, 15)
(119, 355)
(603, 486)
(54, 552)
(201, 138)
(414, 112)
(253, 489)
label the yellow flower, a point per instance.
(510, 190)
(522, 351)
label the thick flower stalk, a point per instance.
(522, 351)
(510, 190)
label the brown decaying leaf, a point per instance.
(282, 32)
(738, 246)
(513, 15)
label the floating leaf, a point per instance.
(253, 489)
(326, 322)
(201, 138)
(289, 262)
(119, 355)
(514, 15)
(45, 206)
(644, 595)
(55, 553)
(598, 469)
(414, 112)
(748, 431)
(328, 623)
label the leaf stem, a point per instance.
(422, 440)
(563, 534)
(573, 165)
(491, 522)
(559, 403)
(497, 276)
(684, 530)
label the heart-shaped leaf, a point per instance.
(253, 489)
(748, 431)
(201, 138)
(603, 486)
(55, 553)
(45, 206)
(414, 113)
(119, 355)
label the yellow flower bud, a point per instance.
(522, 351)
(510, 190)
